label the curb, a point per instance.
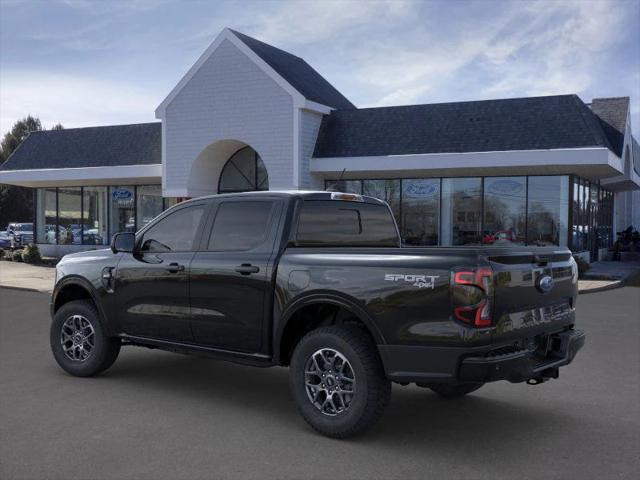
(611, 286)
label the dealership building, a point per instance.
(552, 170)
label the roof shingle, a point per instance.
(612, 113)
(533, 123)
(298, 73)
(114, 145)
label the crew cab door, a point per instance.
(152, 284)
(231, 275)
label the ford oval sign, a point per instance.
(545, 283)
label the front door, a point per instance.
(152, 284)
(231, 275)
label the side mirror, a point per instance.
(123, 242)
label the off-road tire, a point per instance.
(372, 388)
(105, 349)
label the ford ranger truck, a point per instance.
(319, 282)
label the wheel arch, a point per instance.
(292, 313)
(73, 288)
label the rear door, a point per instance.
(231, 276)
(535, 292)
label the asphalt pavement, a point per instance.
(160, 415)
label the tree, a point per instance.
(16, 203)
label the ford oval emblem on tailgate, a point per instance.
(545, 283)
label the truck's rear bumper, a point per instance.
(407, 364)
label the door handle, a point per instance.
(247, 269)
(175, 268)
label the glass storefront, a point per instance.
(505, 210)
(524, 210)
(94, 215)
(91, 215)
(548, 211)
(461, 211)
(149, 204)
(46, 215)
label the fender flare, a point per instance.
(78, 281)
(313, 298)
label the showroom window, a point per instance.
(461, 211)
(122, 217)
(505, 209)
(149, 204)
(94, 216)
(387, 190)
(548, 209)
(70, 216)
(421, 211)
(46, 215)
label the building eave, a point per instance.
(83, 176)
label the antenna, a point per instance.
(334, 186)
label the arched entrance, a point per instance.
(243, 172)
(227, 166)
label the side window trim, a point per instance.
(206, 207)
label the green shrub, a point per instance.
(16, 256)
(1, 254)
(31, 254)
(583, 266)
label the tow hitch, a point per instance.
(544, 376)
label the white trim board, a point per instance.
(83, 176)
(473, 161)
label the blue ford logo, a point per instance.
(545, 283)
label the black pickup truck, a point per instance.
(319, 282)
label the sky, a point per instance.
(86, 63)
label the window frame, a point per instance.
(206, 206)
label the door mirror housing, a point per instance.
(123, 242)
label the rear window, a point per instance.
(337, 223)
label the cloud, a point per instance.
(72, 100)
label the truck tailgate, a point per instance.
(534, 292)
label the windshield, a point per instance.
(22, 227)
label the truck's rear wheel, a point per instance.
(450, 390)
(79, 342)
(338, 382)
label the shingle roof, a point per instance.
(612, 113)
(532, 123)
(115, 145)
(298, 73)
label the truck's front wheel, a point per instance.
(338, 382)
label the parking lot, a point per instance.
(160, 415)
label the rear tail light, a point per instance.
(473, 296)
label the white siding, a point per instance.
(229, 97)
(309, 126)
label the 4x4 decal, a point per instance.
(420, 281)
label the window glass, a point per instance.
(330, 222)
(149, 204)
(69, 216)
(346, 186)
(461, 211)
(175, 232)
(504, 211)
(548, 210)
(122, 209)
(243, 172)
(421, 211)
(46, 215)
(94, 216)
(387, 190)
(240, 225)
